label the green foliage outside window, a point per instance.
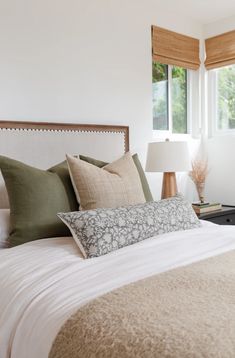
(179, 100)
(178, 95)
(159, 72)
(160, 96)
(226, 98)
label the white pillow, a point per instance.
(4, 226)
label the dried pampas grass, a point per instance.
(198, 175)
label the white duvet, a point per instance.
(42, 283)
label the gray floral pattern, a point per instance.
(100, 231)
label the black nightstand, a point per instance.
(225, 216)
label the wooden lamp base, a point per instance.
(169, 186)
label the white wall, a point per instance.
(83, 61)
(220, 184)
(219, 27)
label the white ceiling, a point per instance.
(204, 11)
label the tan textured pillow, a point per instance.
(116, 184)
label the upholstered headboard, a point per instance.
(45, 144)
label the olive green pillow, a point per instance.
(36, 196)
(143, 179)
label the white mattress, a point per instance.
(42, 283)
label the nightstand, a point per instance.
(225, 216)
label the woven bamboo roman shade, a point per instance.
(220, 50)
(172, 48)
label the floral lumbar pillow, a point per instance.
(101, 231)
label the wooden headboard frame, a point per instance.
(68, 127)
(42, 144)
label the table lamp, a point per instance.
(168, 157)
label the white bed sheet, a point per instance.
(42, 283)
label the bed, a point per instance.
(171, 295)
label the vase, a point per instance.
(200, 191)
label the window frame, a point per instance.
(169, 133)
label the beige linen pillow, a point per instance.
(116, 184)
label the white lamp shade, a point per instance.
(168, 157)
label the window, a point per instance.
(225, 98)
(169, 98)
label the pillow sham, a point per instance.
(4, 227)
(143, 179)
(35, 198)
(98, 232)
(115, 184)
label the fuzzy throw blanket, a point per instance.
(186, 312)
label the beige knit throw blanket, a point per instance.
(186, 312)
